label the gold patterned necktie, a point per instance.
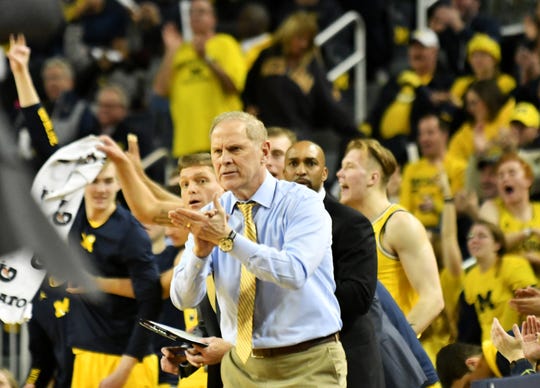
(246, 298)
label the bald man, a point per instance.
(355, 266)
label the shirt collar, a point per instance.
(263, 196)
(322, 193)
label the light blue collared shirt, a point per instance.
(292, 261)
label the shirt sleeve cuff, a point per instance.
(244, 248)
(194, 265)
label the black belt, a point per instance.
(302, 346)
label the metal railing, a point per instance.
(357, 59)
(421, 12)
(15, 355)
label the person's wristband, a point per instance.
(527, 232)
(520, 367)
(448, 199)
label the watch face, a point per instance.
(226, 244)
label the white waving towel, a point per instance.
(58, 188)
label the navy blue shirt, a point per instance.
(121, 248)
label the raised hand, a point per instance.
(172, 39)
(18, 54)
(443, 181)
(466, 202)
(133, 152)
(510, 347)
(199, 44)
(530, 335)
(112, 150)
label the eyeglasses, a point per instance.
(111, 55)
(480, 236)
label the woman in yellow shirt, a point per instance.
(490, 284)
(489, 120)
(483, 56)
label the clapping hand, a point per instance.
(172, 38)
(524, 344)
(206, 227)
(526, 301)
(510, 347)
(530, 336)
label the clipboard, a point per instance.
(172, 333)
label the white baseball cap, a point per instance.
(426, 37)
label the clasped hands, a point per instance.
(207, 227)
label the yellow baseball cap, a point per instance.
(483, 42)
(527, 114)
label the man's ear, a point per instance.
(325, 174)
(472, 362)
(265, 147)
(374, 178)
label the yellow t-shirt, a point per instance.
(505, 82)
(196, 95)
(508, 224)
(420, 183)
(396, 118)
(253, 52)
(490, 355)
(72, 9)
(390, 271)
(490, 291)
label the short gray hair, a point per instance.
(116, 89)
(255, 129)
(61, 63)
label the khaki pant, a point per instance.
(321, 366)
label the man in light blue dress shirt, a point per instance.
(296, 314)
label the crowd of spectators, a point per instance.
(463, 130)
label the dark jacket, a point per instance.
(355, 271)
